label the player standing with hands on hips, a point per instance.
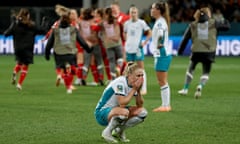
(161, 53)
(113, 109)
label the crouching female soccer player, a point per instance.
(113, 110)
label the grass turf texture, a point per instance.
(44, 114)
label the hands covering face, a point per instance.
(138, 83)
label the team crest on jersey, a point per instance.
(119, 88)
(159, 25)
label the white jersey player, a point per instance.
(162, 56)
(134, 29)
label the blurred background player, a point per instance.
(162, 54)
(55, 25)
(99, 12)
(74, 22)
(63, 40)
(114, 110)
(89, 31)
(23, 30)
(134, 29)
(203, 33)
(121, 19)
(110, 30)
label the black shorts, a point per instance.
(204, 57)
(24, 57)
(62, 60)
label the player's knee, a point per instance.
(100, 67)
(120, 62)
(121, 118)
(143, 114)
(204, 77)
(189, 74)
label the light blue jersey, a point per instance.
(109, 99)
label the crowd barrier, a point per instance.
(226, 45)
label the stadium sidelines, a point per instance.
(215, 66)
(226, 45)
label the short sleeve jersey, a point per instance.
(134, 31)
(109, 97)
(160, 35)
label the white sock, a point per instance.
(133, 121)
(114, 122)
(165, 95)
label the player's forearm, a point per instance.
(139, 100)
(124, 100)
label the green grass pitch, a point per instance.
(44, 114)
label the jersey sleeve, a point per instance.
(125, 26)
(145, 26)
(160, 30)
(119, 89)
